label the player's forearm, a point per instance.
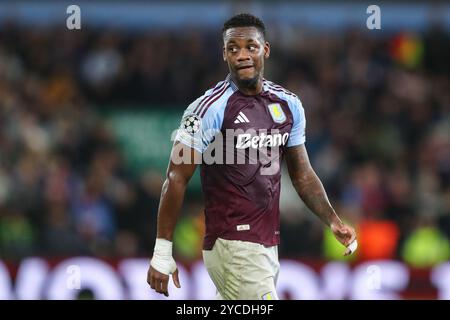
(311, 191)
(170, 205)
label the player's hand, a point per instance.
(159, 281)
(345, 235)
(161, 267)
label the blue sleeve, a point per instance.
(297, 136)
(198, 132)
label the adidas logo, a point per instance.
(241, 118)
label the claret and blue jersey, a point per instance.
(241, 200)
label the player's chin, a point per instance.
(247, 79)
(246, 74)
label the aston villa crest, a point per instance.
(276, 112)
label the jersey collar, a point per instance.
(231, 82)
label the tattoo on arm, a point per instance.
(308, 185)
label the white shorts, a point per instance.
(243, 270)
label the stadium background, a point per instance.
(86, 118)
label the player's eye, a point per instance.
(232, 49)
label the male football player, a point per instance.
(241, 197)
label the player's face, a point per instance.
(244, 51)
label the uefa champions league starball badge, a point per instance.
(191, 123)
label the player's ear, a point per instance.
(224, 54)
(266, 49)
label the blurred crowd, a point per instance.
(378, 135)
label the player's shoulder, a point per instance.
(213, 100)
(291, 98)
(279, 90)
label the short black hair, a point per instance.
(244, 20)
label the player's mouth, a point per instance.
(244, 67)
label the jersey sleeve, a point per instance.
(195, 131)
(297, 136)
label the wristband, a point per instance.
(162, 259)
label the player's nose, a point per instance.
(243, 55)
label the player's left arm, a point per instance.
(311, 191)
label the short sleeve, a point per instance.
(297, 136)
(195, 131)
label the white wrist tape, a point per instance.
(353, 246)
(162, 259)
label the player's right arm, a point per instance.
(200, 122)
(172, 195)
